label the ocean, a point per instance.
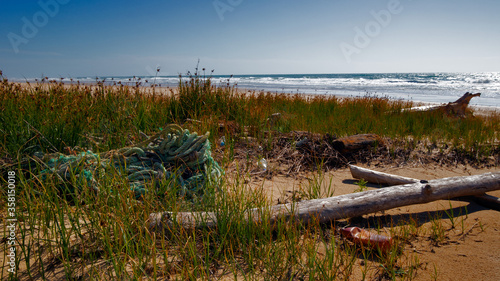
(417, 87)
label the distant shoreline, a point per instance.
(416, 87)
(477, 109)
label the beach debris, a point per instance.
(301, 142)
(262, 164)
(457, 108)
(365, 238)
(301, 149)
(173, 154)
(377, 177)
(355, 143)
(343, 206)
(193, 121)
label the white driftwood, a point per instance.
(379, 177)
(422, 108)
(344, 206)
(389, 179)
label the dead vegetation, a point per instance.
(300, 151)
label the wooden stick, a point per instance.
(379, 177)
(344, 206)
(389, 179)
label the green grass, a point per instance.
(51, 116)
(88, 235)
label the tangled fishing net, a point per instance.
(174, 154)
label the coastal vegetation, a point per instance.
(87, 235)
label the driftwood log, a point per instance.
(354, 143)
(456, 108)
(343, 206)
(379, 177)
(389, 179)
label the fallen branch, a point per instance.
(456, 108)
(344, 206)
(379, 177)
(389, 179)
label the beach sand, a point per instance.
(474, 256)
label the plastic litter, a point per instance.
(302, 142)
(263, 164)
(173, 153)
(365, 238)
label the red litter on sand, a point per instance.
(365, 238)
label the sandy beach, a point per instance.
(466, 251)
(471, 256)
(469, 236)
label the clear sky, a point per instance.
(74, 38)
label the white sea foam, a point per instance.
(425, 87)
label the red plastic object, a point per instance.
(366, 238)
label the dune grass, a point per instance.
(52, 116)
(88, 235)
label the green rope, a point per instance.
(172, 154)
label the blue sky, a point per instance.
(74, 38)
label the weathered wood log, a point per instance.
(456, 108)
(421, 108)
(389, 179)
(379, 177)
(344, 206)
(356, 142)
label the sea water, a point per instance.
(417, 87)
